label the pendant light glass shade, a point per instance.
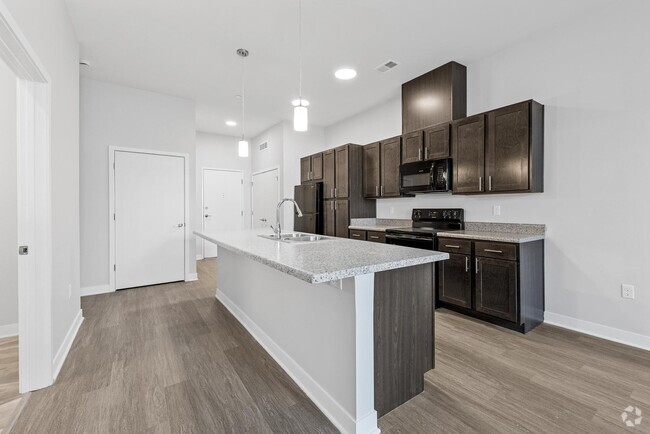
(243, 148)
(300, 118)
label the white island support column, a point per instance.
(321, 334)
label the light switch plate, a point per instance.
(496, 210)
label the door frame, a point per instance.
(259, 172)
(203, 169)
(34, 211)
(111, 207)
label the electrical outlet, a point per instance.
(496, 210)
(627, 291)
(392, 210)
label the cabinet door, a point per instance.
(371, 170)
(508, 150)
(376, 237)
(390, 161)
(412, 147)
(328, 174)
(329, 217)
(436, 142)
(455, 280)
(468, 143)
(357, 234)
(305, 169)
(496, 288)
(342, 159)
(342, 208)
(317, 167)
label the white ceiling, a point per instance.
(187, 48)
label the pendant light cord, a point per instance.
(300, 48)
(243, 97)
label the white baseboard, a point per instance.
(192, 277)
(598, 330)
(199, 257)
(9, 330)
(95, 290)
(343, 421)
(62, 353)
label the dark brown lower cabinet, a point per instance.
(455, 280)
(502, 283)
(496, 288)
(329, 217)
(336, 214)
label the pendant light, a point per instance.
(243, 144)
(300, 111)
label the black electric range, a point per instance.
(427, 222)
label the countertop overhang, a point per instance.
(321, 261)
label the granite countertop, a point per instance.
(379, 225)
(321, 261)
(500, 232)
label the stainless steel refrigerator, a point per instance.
(310, 200)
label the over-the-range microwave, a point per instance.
(425, 176)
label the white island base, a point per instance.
(321, 334)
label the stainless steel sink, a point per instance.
(296, 237)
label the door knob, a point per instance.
(263, 220)
(207, 215)
(180, 225)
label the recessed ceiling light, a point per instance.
(345, 74)
(296, 102)
(231, 123)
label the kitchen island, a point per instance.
(351, 322)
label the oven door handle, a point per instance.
(407, 237)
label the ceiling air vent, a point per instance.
(386, 66)
(264, 145)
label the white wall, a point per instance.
(9, 201)
(49, 31)
(219, 152)
(592, 77)
(113, 115)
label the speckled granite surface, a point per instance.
(321, 261)
(379, 225)
(502, 232)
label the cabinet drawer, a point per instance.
(454, 245)
(488, 249)
(357, 234)
(376, 237)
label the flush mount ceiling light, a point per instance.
(345, 74)
(231, 123)
(242, 148)
(297, 102)
(300, 111)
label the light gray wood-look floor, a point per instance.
(170, 358)
(9, 397)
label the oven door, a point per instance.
(414, 241)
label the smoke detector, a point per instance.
(386, 66)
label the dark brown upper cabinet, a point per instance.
(381, 163)
(514, 150)
(468, 151)
(391, 151)
(412, 147)
(371, 170)
(329, 174)
(342, 176)
(435, 97)
(436, 142)
(311, 168)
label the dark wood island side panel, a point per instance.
(403, 327)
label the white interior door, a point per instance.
(149, 219)
(222, 204)
(266, 193)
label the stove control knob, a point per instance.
(417, 214)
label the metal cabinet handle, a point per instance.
(426, 153)
(356, 235)
(376, 190)
(420, 154)
(382, 190)
(477, 265)
(332, 192)
(480, 183)
(493, 251)
(335, 192)
(452, 246)
(374, 237)
(466, 264)
(490, 183)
